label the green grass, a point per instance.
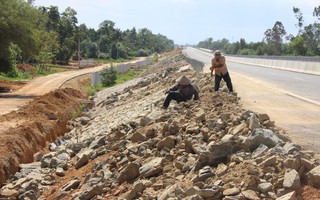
(93, 89)
(77, 112)
(110, 60)
(19, 78)
(121, 78)
(24, 76)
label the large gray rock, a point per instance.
(291, 179)
(238, 129)
(205, 173)
(250, 194)
(171, 192)
(221, 169)
(166, 142)
(259, 151)
(89, 192)
(308, 164)
(288, 196)
(151, 168)
(292, 163)
(262, 136)
(215, 154)
(314, 176)
(208, 192)
(253, 122)
(133, 194)
(46, 159)
(130, 172)
(82, 161)
(9, 193)
(71, 185)
(231, 191)
(291, 147)
(265, 187)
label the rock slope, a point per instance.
(127, 147)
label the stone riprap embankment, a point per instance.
(127, 147)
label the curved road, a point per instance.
(39, 86)
(291, 99)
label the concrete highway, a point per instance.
(305, 86)
(291, 99)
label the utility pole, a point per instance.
(79, 52)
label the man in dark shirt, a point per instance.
(182, 91)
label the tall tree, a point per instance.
(298, 45)
(312, 37)
(67, 31)
(274, 36)
(243, 43)
(299, 17)
(18, 25)
(316, 12)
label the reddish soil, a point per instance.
(7, 86)
(310, 193)
(28, 129)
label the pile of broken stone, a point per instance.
(206, 149)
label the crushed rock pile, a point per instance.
(127, 147)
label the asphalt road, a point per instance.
(304, 86)
(291, 99)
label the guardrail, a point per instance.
(296, 58)
(302, 64)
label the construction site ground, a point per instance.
(37, 110)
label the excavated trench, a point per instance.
(30, 128)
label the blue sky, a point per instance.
(191, 21)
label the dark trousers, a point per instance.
(173, 95)
(226, 78)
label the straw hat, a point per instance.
(183, 80)
(217, 53)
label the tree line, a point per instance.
(276, 41)
(42, 35)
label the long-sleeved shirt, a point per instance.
(187, 91)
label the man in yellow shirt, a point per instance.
(218, 64)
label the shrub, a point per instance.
(108, 76)
(143, 52)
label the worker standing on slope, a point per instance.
(218, 64)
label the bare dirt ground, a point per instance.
(27, 131)
(300, 119)
(20, 96)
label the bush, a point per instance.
(108, 76)
(143, 52)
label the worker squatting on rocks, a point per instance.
(182, 91)
(218, 64)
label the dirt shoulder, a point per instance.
(300, 119)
